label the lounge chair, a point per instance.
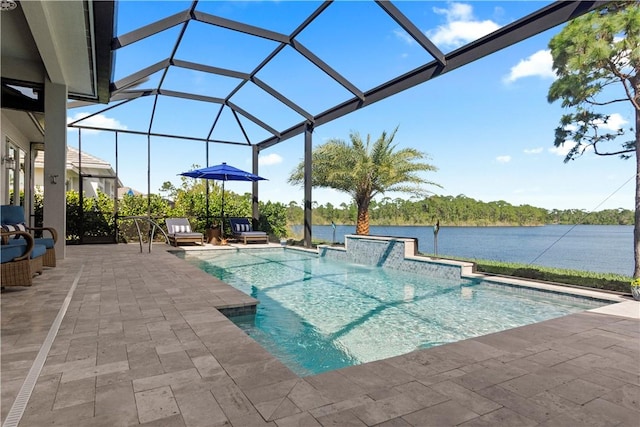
(179, 231)
(20, 262)
(242, 230)
(12, 219)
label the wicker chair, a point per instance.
(12, 219)
(20, 262)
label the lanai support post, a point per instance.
(307, 184)
(208, 223)
(148, 175)
(255, 209)
(55, 163)
(117, 198)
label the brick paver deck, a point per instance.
(143, 343)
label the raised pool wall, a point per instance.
(397, 253)
(401, 253)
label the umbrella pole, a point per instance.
(222, 214)
(208, 223)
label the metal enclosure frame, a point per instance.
(124, 90)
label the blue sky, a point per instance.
(487, 126)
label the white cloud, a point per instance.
(615, 122)
(540, 64)
(461, 27)
(270, 159)
(503, 159)
(99, 121)
(537, 150)
(456, 12)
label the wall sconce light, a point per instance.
(6, 5)
(9, 162)
(53, 179)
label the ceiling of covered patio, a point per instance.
(63, 42)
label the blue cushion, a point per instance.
(17, 247)
(38, 250)
(10, 214)
(9, 252)
(45, 241)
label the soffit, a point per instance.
(65, 41)
(31, 125)
(20, 58)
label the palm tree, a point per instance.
(364, 170)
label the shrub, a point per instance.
(96, 218)
(273, 219)
(604, 281)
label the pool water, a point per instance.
(317, 315)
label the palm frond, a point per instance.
(363, 169)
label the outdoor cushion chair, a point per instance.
(20, 262)
(179, 231)
(12, 219)
(242, 230)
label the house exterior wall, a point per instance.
(91, 185)
(12, 137)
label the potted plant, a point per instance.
(212, 233)
(635, 288)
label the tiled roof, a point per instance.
(73, 160)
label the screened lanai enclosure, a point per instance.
(204, 82)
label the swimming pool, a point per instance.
(317, 315)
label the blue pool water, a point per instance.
(318, 315)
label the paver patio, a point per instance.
(143, 342)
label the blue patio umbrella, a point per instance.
(222, 172)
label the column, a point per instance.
(55, 163)
(255, 209)
(307, 184)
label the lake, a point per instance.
(598, 248)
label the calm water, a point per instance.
(317, 315)
(599, 248)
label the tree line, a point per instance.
(455, 211)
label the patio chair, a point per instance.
(12, 219)
(20, 262)
(242, 230)
(179, 231)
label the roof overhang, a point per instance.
(66, 42)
